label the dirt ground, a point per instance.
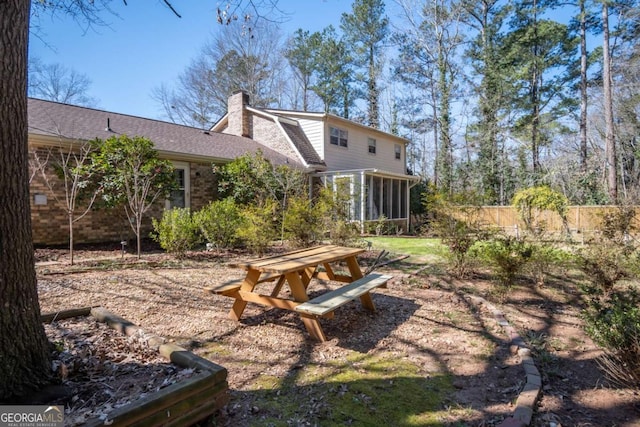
(424, 316)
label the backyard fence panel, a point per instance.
(580, 219)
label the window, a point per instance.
(179, 198)
(338, 137)
(372, 146)
(398, 152)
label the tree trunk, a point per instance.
(138, 231)
(70, 215)
(24, 363)
(612, 169)
(583, 87)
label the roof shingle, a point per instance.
(72, 122)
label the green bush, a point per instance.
(616, 225)
(605, 263)
(302, 221)
(459, 228)
(219, 222)
(176, 232)
(613, 322)
(336, 223)
(544, 258)
(257, 230)
(506, 255)
(532, 202)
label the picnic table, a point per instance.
(297, 269)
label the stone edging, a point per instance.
(528, 397)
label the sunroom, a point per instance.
(375, 196)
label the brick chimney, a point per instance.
(239, 123)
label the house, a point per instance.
(191, 151)
(367, 163)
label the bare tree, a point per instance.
(55, 82)
(75, 185)
(234, 60)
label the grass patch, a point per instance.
(360, 390)
(422, 250)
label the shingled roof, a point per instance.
(53, 119)
(302, 144)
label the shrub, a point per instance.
(506, 255)
(616, 225)
(605, 263)
(257, 230)
(543, 258)
(613, 322)
(302, 221)
(531, 202)
(459, 228)
(336, 223)
(176, 232)
(219, 222)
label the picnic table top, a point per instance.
(300, 259)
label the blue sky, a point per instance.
(147, 45)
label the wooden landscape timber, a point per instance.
(180, 404)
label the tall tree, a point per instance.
(486, 18)
(24, 356)
(433, 33)
(366, 29)
(540, 54)
(607, 86)
(55, 82)
(333, 74)
(301, 51)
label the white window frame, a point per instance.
(398, 152)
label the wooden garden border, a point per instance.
(180, 404)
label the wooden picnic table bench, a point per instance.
(296, 269)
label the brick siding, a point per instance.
(50, 224)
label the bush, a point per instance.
(532, 202)
(219, 222)
(616, 225)
(613, 322)
(506, 255)
(457, 234)
(257, 230)
(543, 258)
(336, 224)
(302, 221)
(605, 263)
(176, 232)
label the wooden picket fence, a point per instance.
(581, 220)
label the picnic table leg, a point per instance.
(278, 287)
(329, 271)
(356, 273)
(306, 275)
(299, 294)
(239, 305)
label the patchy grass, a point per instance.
(362, 389)
(421, 250)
